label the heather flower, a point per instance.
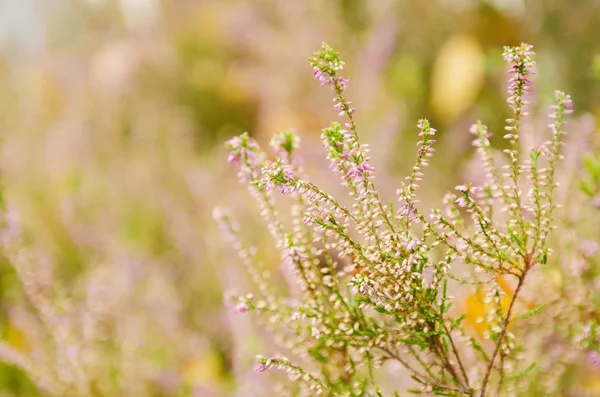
(245, 153)
(278, 175)
(593, 358)
(589, 247)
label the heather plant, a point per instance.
(373, 279)
(105, 271)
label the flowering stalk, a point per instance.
(521, 61)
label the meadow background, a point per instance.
(112, 121)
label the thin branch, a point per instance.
(455, 351)
(503, 332)
(437, 344)
(501, 375)
(417, 357)
(419, 375)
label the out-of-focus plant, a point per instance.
(398, 307)
(591, 184)
(107, 282)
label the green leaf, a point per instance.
(530, 313)
(444, 291)
(446, 343)
(493, 334)
(516, 239)
(414, 341)
(587, 188)
(592, 166)
(544, 259)
(521, 373)
(534, 155)
(458, 321)
(479, 348)
(318, 356)
(382, 310)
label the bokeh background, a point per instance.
(113, 115)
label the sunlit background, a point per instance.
(113, 116)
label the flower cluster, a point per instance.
(398, 262)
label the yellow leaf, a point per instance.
(457, 77)
(16, 338)
(477, 308)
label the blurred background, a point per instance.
(113, 115)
